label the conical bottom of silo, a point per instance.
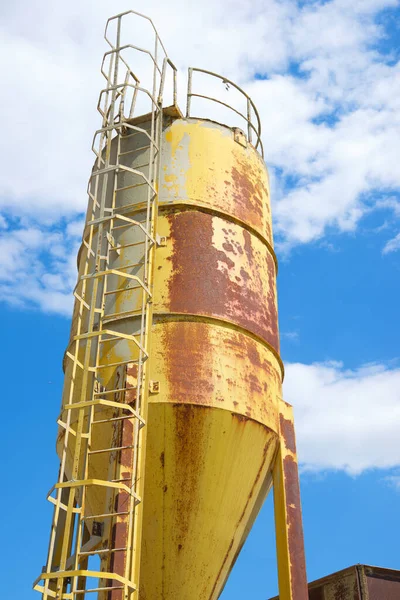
(205, 480)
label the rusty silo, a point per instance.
(172, 427)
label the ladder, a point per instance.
(95, 536)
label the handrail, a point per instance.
(251, 127)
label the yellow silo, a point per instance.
(172, 428)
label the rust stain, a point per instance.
(294, 521)
(190, 428)
(245, 276)
(251, 197)
(287, 431)
(338, 587)
(245, 193)
(190, 355)
(119, 532)
(248, 247)
(247, 349)
(340, 590)
(119, 540)
(200, 286)
(189, 371)
(228, 247)
(240, 418)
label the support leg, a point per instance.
(288, 523)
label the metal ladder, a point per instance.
(103, 394)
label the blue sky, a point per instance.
(326, 80)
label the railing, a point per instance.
(252, 128)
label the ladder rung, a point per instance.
(129, 246)
(105, 392)
(122, 315)
(128, 135)
(130, 266)
(137, 149)
(136, 206)
(99, 589)
(105, 516)
(140, 166)
(131, 151)
(122, 168)
(104, 551)
(103, 450)
(122, 247)
(130, 187)
(121, 418)
(117, 364)
(119, 290)
(125, 225)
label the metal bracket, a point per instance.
(161, 240)
(240, 137)
(154, 387)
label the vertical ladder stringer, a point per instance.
(102, 438)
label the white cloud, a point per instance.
(345, 419)
(38, 268)
(391, 203)
(392, 245)
(53, 82)
(75, 228)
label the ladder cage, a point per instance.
(99, 553)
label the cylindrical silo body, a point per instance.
(213, 424)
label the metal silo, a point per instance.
(172, 427)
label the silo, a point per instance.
(172, 428)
